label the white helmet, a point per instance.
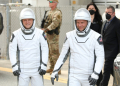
(25, 14)
(82, 14)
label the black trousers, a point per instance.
(108, 69)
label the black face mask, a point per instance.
(92, 12)
(108, 16)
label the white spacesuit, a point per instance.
(32, 48)
(83, 70)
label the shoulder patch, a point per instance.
(12, 37)
(58, 16)
(44, 36)
(100, 41)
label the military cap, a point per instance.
(53, 0)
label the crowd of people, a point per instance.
(93, 43)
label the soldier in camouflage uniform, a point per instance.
(52, 28)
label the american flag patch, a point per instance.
(100, 41)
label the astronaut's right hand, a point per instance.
(53, 78)
(41, 71)
(16, 73)
(93, 78)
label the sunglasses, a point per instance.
(51, 1)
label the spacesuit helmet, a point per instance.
(27, 13)
(82, 14)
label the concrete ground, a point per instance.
(7, 78)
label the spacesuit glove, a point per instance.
(93, 78)
(16, 73)
(53, 78)
(41, 71)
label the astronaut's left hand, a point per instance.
(93, 78)
(16, 73)
(41, 71)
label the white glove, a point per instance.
(93, 78)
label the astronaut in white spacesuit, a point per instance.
(32, 49)
(81, 43)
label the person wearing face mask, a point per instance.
(96, 24)
(111, 40)
(96, 19)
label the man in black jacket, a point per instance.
(111, 40)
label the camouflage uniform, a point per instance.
(53, 21)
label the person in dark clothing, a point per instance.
(96, 19)
(111, 40)
(96, 24)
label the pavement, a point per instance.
(8, 79)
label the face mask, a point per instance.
(92, 12)
(108, 16)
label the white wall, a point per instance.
(32, 2)
(45, 2)
(106, 1)
(64, 2)
(80, 2)
(42, 3)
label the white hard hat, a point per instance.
(82, 14)
(27, 13)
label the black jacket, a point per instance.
(95, 26)
(111, 38)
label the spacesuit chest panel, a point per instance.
(82, 53)
(28, 42)
(85, 45)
